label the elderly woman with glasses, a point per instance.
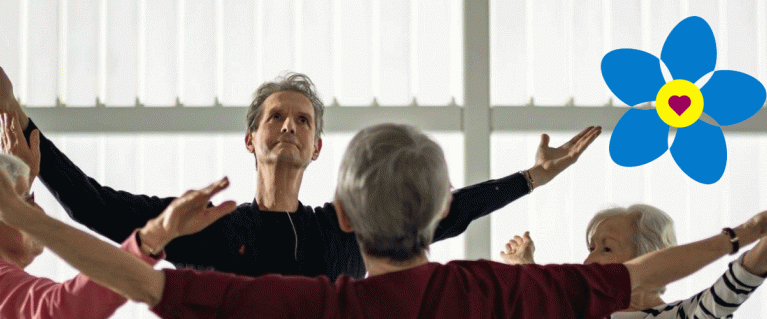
(617, 235)
(23, 295)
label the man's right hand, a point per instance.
(8, 103)
(186, 215)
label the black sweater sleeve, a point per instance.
(114, 214)
(478, 200)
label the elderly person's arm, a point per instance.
(109, 266)
(478, 200)
(755, 260)
(659, 268)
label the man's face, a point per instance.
(17, 246)
(285, 132)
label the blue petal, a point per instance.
(701, 152)
(731, 97)
(634, 76)
(639, 138)
(690, 50)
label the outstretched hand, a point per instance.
(549, 162)
(13, 208)
(8, 103)
(12, 141)
(519, 250)
(186, 215)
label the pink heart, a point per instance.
(679, 104)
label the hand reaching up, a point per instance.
(519, 250)
(549, 162)
(186, 215)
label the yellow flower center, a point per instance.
(679, 103)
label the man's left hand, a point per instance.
(549, 162)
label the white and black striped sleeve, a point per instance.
(718, 301)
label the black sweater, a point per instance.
(249, 241)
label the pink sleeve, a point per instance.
(25, 296)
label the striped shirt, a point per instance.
(719, 301)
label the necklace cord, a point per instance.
(295, 252)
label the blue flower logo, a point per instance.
(689, 53)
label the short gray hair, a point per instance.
(14, 167)
(289, 81)
(393, 185)
(652, 228)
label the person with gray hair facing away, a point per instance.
(24, 296)
(275, 232)
(393, 188)
(619, 234)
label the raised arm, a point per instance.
(659, 268)
(478, 200)
(114, 214)
(110, 266)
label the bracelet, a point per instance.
(733, 239)
(526, 174)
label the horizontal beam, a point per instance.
(548, 119)
(219, 119)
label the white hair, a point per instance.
(652, 228)
(14, 167)
(393, 186)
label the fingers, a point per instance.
(216, 187)
(34, 141)
(544, 141)
(5, 83)
(9, 134)
(588, 139)
(580, 134)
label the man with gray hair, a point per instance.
(393, 187)
(275, 233)
(619, 234)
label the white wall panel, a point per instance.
(393, 65)
(317, 46)
(277, 53)
(10, 43)
(82, 45)
(741, 40)
(433, 63)
(122, 25)
(162, 44)
(43, 59)
(198, 73)
(509, 65)
(550, 55)
(352, 45)
(239, 52)
(587, 51)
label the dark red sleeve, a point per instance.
(585, 291)
(208, 294)
(555, 291)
